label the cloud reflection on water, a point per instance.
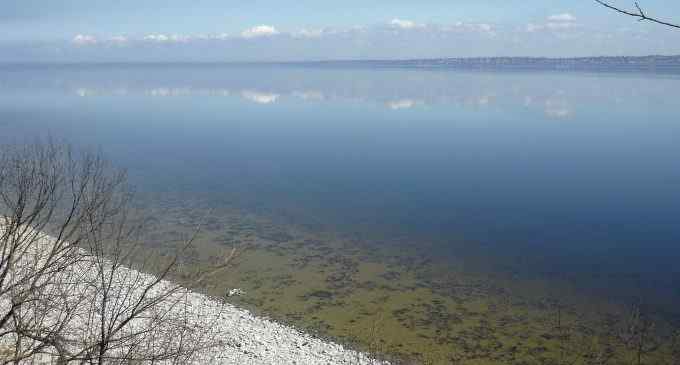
(555, 95)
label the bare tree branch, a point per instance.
(638, 13)
(76, 283)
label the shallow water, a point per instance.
(439, 194)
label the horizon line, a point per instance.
(318, 61)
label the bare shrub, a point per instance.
(76, 284)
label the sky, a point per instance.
(288, 30)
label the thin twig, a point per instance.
(641, 15)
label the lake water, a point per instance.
(554, 175)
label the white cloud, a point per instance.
(310, 95)
(163, 38)
(557, 108)
(483, 100)
(84, 40)
(309, 33)
(403, 104)
(118, 39)
(405, 24)
(83, 92)
(260, 97)
(560, 26)
(210, 37)
(156, 38)
(531, 27)
(166, 92)
(179, 38)
(557, 22)
(565, 17)
(260, 31)
(483, 28)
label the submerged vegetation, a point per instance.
(402, 303)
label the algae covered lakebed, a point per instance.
(402, 302)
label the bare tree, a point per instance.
(76, 283)
(638, 13)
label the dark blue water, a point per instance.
(571, 166)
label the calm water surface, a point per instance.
(579, 171)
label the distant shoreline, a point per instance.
(607, 64)
(646, 64)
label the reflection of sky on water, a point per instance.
(554, 106)
(556, 95)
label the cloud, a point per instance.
(156, 38)
(565, 17)
(84, 92)
(558, 35)
(260, 31)
(118, 39)
(460, 27)
(403, 104)
(179, 38)
(484, 27)
(557, 22)
(163, 38)
(557, 108)
(84, 40)
(260, 97)
(309, 33)
(531, 27)
(560, 26)
(167, 92)
(405, 24)
(310, 95)
(209, 37)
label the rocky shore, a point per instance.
(235, 336)
(248, 339)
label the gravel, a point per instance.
(242, 338)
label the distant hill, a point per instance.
(641, 64)
(659, 64)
